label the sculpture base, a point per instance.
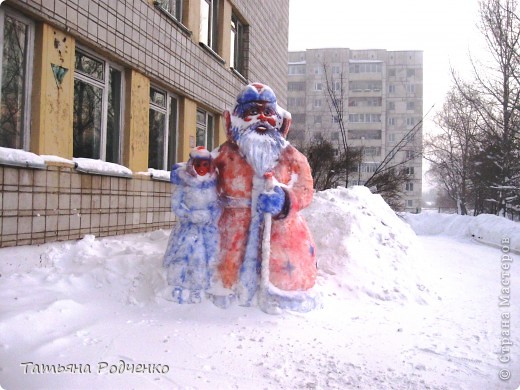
(272, 300)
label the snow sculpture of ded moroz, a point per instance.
(191, 254)
(266, 249)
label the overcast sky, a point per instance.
(445, 30)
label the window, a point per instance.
(410, 72)
(410, 88)
(367, 86)
(410, 122)
(318, 86)
(317, 103)
(209, 23)
(317, 119)
(391, 88)
(16, 38)
(365, 67)
(298, 119)
(391, 105)
(336, 86)
(409, 202)
(410, 106)
(372, 151)
(409, 170)
(297, 69)
(409, 186)
(364, 134)
(205, 129)
(237, 54)
(318, 70)
(336, 69)
(368, 167)
(410, 154)
(364, 118)
(296, 86)
(391, 137)
(391, 72)
(162, 146)
(97, 108)
(173, 7)
(391, 121)
(335, 119)
(365, 102)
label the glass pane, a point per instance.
(232, 48)
(113, 116)
(172, 133)
(89, 66)
(201, 117)
(87, 120)
(201, 137)
(157, 97)
(13, 84)
(156, 140)
(176, 9)
(204, 22)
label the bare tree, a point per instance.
(452, 151)
(336, 105)
(495, 94)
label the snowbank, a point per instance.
(485, 228)
(363, 246)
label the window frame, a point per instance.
(237, 55)
(167, 110)
(105, 86)
(28, 79)
(212, 24)
(207, 128)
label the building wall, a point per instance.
(151, 49)
(397, 88)
(60, 203)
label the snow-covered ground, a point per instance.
(400, 311)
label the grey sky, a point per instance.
(444, 29)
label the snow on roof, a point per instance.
(20, 158)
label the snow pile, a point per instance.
(363, 245)
(485, 228)
(128, 271)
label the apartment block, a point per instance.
(136, 83)
(381, 97)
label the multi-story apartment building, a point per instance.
(136, 83)
(382, 98)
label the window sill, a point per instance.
(239, 75)
(212, 52)
(183, 28)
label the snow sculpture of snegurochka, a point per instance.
(191, 253)
(266, 254)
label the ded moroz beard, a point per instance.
(261, 149)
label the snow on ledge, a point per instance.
(98, 167)
(56, 159)
(20, 158)
(156, 174)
